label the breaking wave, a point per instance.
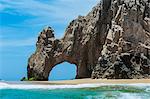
(42, 86)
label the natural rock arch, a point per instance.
(114, 36)
(51, 52)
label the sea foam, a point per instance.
(4, 85)
(129, 96)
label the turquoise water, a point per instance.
(101, 92)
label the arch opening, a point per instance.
(63, 71)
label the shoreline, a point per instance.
(77, 83)
(86, 81)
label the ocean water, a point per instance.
(81, 91)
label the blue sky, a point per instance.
(20, 24)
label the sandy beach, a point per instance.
(93, 81)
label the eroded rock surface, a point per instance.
(112, 41)
(126, 52)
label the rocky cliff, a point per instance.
(112, 41)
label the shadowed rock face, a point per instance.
(112, 41)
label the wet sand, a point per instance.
(93, 81)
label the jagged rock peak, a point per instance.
(48, 31)
(112, 41)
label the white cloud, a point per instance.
(49, 12)
(31, 7)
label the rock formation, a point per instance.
(112, 41)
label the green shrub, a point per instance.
(26, 79)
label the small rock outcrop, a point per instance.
(112, 41)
